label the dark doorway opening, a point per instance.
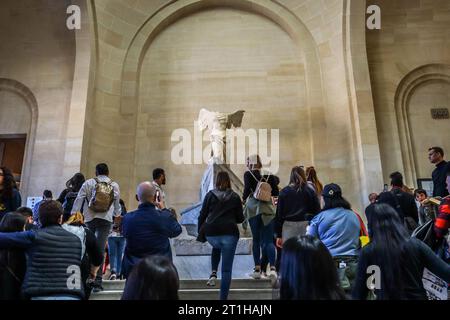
(12, 152)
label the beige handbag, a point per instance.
(263, 190)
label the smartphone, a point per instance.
(386, 188)
(158, 196)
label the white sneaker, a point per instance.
(256, 275)
(273, 276)
(212, 281)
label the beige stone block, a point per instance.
(113, 38)
(325, 50)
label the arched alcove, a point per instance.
(415, 97)
(20, 90)
(289, 23)
(222, 59)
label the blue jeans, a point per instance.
(224, 246)
(262, 240)
(116, 247)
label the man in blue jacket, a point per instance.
(147, 230)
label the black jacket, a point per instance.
(295, 205)
(54, 252)
(250, 183)
(416, 257)
(54, 257)
(9, 204)
(407, 204)
(439, 179)
(93, 256)
(220, 214)
(12, 273)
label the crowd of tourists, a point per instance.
(306, 237)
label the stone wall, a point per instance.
(116, 90)
(411, 49)
(15, 114)
(37, 54)
(223, 60)
(132, 37)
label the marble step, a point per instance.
(199, 284)
(200, 294)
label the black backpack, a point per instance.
(68, 204)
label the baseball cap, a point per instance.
(332, 190)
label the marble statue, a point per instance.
(218, 123)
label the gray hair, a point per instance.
(146, 192)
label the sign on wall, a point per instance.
(440, 113)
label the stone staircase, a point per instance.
(241, 289)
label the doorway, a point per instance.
(12, 152)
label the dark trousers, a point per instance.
(101, 228)
(224, 246)
(265, 260)
(262, 240)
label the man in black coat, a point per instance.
(439, 175)
(406, 202)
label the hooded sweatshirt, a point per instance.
(220, 214)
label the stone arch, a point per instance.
(405, 90)
(178, 9)
(24, 92)
(170, 13)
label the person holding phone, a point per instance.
(148, 229)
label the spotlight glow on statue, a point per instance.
(218, 123)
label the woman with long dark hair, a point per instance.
(297, 204)
(221, 213)
(68, 195)
(339, 228)
(10, 198)
(12, 261)
(308, 271)
(399, 259)
(153, 278)
(313, 180)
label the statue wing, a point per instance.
(204, 119)
(235, 119)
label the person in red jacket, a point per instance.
(442, 223)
